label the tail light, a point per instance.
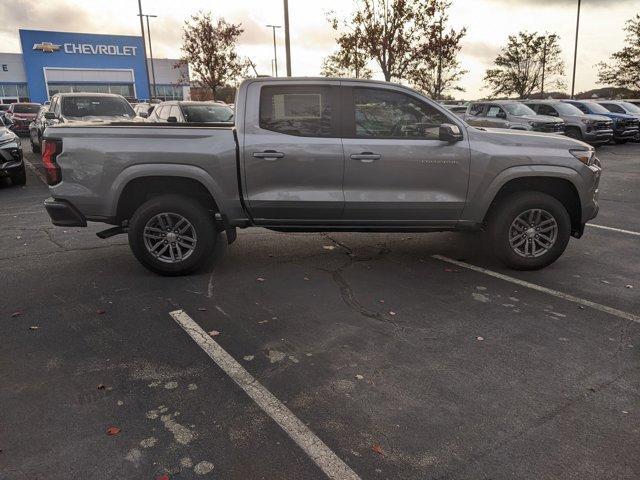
(50, 151)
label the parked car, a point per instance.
(512, 115)
(620, 106)
(3, 108)
(320, 155)
(625, 127)
(635, 101)
(11, 161)
(192, 112)
(88, 107)
(143, 110)
(21, 115)
(459, 110)
(36, 129)
(593, 129)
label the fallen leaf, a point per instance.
(377, 449)
(381, 301)
(100, 311)
(451, 270)
(480, 339)
(214, 333)
(359, 377)
(328, 247)
(259, 279)
(202, 309)
(628, 286)
(34, 327)
(101, 386)
(111, 431)
(16, 314)
(306, 278)
(392, 313)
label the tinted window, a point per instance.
(26, 107)
(476, 109)
(566, 109)
(612, 107)
(387, 114)
(544, 109)
(297, 110)
(87, 106)
(205, 113)
(494, 111)
(596, 108)
(162, 113)
(518, 109)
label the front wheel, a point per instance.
(529, 230)
(172, 235)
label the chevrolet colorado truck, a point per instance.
(311, 154)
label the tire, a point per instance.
(35, 148)
(575, 133)
(200, 231)
(20, 178)
(505, 226)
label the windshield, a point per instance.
(630, 107)
(79, 107)
(567, 109)
(596, 108)
(26, 107)
(518, 109)
(204, 113)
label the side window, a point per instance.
(547, 110)
(175, 112)
(495, 111)
(162, 113)
(476, 109)
(535, 107)
(297, 110)
(581, 107)
(387, 114)
(612, 107)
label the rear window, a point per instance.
(86, 106)
(297, 110)
(26, 107)
(207, 113)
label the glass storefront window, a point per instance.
(126, 90)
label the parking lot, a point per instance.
(402, 355)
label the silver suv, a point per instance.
(511, 114)
(593, 129)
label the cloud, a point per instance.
(563, 3)
(479, 50)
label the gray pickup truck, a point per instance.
(310, 155)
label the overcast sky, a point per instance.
(488, 22)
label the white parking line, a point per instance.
(328, 461)
(36, 171)
(540, 288)
(629, 232)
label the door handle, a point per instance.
(268, 155)
(365, 157)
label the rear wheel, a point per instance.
(529, 230)
(19, 178)
(172, 235)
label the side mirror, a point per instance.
(172, 120)
(50, 116)
(449, 133)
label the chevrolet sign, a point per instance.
(87, 49)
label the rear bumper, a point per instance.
(64, 214)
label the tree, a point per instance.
(209, 48)
(624, 69)
(440, 72)
(527, 63)
(396, 34)
(350, 60)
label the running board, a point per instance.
(110, 232)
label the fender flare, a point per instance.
(513, 173)
(163, 170)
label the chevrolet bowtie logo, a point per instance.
(46, 47)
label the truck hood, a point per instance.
(539, 119)
(522, 138)
(100, 119)
(620, 116)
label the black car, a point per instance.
(36, 129)
(11, 163)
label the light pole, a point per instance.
(144, 47)
(575, 52)
(275, 50)
(287, 43)
(153, 70)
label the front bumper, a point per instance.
(628, 134)
(64, 214)
(10, 158)
(590, 204)
(598, 136)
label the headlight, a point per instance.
(585, 156)
(587, 121)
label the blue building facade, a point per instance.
(64, 62)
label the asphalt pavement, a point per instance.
(373, 356)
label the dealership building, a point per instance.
(54, 62)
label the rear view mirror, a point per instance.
(50, 116)
(172, 120)
(449, 133)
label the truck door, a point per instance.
(496, 117)
(397, 171)
(293, 157)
